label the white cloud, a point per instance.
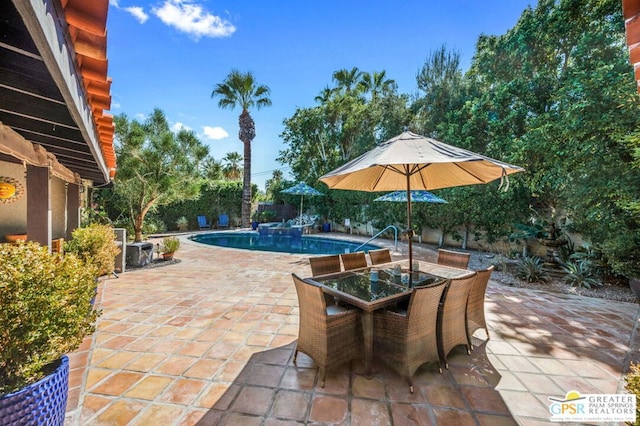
(215, 132)
(114, 3)
(191, 18)
(115, 105)
(138, 13)
(179, 126)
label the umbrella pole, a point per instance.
(410, 230)
(301, 201)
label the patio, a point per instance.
(210, 341)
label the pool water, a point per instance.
(281, 243)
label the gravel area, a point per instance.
(555, 283)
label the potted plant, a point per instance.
(46, 312)
(183, 223)
(169, 246)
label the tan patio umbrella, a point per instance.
(409, 162)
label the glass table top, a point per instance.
(362, 285)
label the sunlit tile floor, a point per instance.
(210, 340)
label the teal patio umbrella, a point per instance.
(417, 196)
(302, 189)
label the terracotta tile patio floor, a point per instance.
(210, 340)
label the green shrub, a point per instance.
(46, 310)
(592, 258)
(632, 379)
(182, 222)
(152, 225)
(579, 274)
(95, 244)
(170, 244)
(267, 216)
(531, 269)
(499, 262)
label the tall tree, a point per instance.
(273, 184)
(440, 84)
(376, 84)
(347, 80)
(556, 95)
(211, 169)
(155, 165)
(241, 90)
(231, 168)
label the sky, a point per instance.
(170, 54)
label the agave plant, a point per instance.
(531, 269)
(579, 274)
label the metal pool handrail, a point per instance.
(395, 232)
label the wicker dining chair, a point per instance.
(453, 258)
(330, 335)
(406, 340)
(475, 304)
(354, 260)
(452, 328)
(380, 256)
(322, 265)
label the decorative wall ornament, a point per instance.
(10, 190)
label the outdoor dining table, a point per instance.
(357, 288)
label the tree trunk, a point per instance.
(247, 133)
(465, 237)
(246, 187)
(137, 227)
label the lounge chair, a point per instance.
(202, 223)
(223, 221)
(455, 259)
(330, 335)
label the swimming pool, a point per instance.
(280, 243)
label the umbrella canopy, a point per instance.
(409, 161)
(301, 189)
(417, 196)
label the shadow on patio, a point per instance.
(270, 389)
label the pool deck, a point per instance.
(210, 340)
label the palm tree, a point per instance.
(346, 80)
(273, 185)
(325, 95)
(376, 84)
(231, 168)
(211, 169)
(240, 90)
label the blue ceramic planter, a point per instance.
(41, 403)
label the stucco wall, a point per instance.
(13, 216)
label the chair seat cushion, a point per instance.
(398, 310)
(335, 309)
